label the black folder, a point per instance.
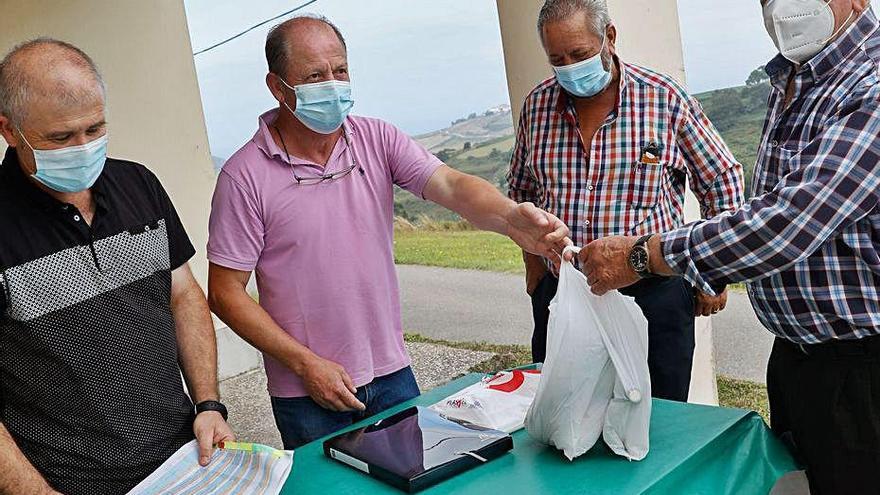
(417, 448)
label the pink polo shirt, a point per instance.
(323, 254)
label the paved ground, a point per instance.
(464, 305)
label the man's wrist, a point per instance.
(212, 406)
(302, 361)
(656, 261)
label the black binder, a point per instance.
(417, 448)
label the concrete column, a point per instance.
(648, 34)
(154, 106)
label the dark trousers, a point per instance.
(668, 305)
(825, 404)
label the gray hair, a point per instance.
(17, 82)
(598, 17)
(278, 44)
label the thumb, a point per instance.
(206, 446)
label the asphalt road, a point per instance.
(464, 305)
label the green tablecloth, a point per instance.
(694, 450)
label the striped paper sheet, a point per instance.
(236, 468)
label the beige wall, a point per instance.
(154, 107)
(648, 34)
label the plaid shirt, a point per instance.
(809, 240)
(631, 179)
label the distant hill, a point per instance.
(482, 144)
(491, 124)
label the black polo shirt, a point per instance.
(90, 386)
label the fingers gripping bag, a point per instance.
(595, 380)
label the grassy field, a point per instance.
(731, 393)
(464, 249)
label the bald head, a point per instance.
(290, 39)
(47, 73)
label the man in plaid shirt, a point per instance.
(617, 162)
(808, 242)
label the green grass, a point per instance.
(731, 393)
(504, 144)
(469, 250)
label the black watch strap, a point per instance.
(212, 405)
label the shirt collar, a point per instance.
(831, 58)
(12, 174)
(266, 143)
(565, 103)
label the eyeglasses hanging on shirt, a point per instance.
(326, 177)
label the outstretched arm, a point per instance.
(480, 203)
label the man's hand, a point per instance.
(605, 262)
(537, 231)
(329, 385)
(210, 429)
(706, 305)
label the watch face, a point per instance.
(638, 259)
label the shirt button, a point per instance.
(587, 223)
(76, 218)
(774, 143)
(590, 187)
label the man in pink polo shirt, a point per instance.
(308, 205)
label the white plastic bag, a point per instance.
(595, 379)
(499, 402)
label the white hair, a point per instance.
(598, 17)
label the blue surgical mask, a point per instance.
(323, 106)
(586, 78)
(72, 169)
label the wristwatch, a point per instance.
(639, 259)
(212, 405)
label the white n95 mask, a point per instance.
(800, 29)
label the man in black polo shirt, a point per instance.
(99, 311)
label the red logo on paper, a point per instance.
(516, 381)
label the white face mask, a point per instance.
(800, 29)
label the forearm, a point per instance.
(478, 202)
(197, 343)
(252, 323)
(17, 475)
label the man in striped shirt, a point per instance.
(608, 148)
(808, 242)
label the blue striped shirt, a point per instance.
(808, 242)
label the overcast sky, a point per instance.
(423, 63)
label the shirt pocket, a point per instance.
(648, 180)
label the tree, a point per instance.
(757, 77)
(467, 145)
(445, 154)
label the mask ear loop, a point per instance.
(21, 133)
(842, 26)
